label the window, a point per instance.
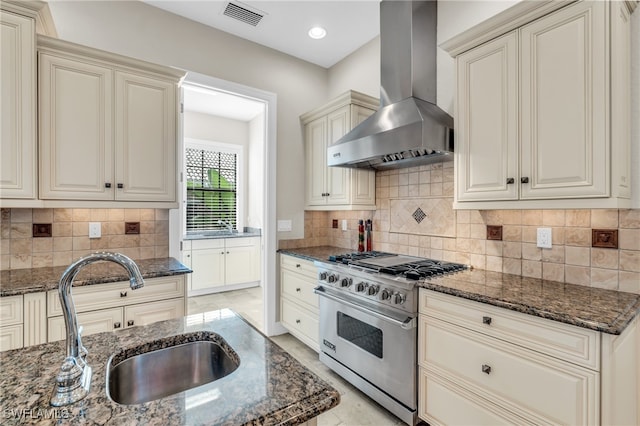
(212, 186)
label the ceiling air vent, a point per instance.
(243, 13)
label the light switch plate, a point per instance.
(284, 225)
(344, 224)
(95, 230)
(544, 237)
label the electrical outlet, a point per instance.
(284, 225)
(544, 237)
(95, 230)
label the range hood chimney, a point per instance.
(409, 129)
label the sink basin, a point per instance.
(165, 367)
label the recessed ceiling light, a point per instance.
(317, 33)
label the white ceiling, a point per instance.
(220, 104)
(349, 24)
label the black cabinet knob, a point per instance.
(121, 185)
(486, 369)
(524, 180)
(486, 320)
(123, 294)
(510, 181)
(117, 325)
(107, 185)
(130, 323)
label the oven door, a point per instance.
(379, 347)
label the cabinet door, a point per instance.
(486, 123)
(91, 322)
(76, 146)
(18, 110)
(316, 161)
(11, 337)
(242, 264)
(145, 138)
(338, 178)
(363, 182)
(147, 313)
(564, 65)
(208, 268)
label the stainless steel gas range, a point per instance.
(368, 323)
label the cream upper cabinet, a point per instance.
(486, 119)
(336, 187)
(18, 113)
(535, 107)
(107, 126)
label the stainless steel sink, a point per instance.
(168, 366)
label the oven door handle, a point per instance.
(407, 324)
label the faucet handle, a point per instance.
(82, 351)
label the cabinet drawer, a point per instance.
(242, 242)
(206, 244)
(443, 403)
(11, 310)
(102, 296)
(537, 387)
(91, 323)
(298, 288)
(147, 313)
(298, 321)
(567, 342)
(301, 266)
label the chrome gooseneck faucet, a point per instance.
(74, 378)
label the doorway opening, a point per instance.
(223, 228)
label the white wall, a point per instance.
(360, 71)
(135, 29)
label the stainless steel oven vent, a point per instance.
(243, 13)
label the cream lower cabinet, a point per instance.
(18, 111)
(114, 306)
(298, 302)
(221, 263)
(107, 126)
(338, 188)
(480, 364)
(23, 320)
(542, 112)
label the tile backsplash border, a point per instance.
(70, 235)
(571, 259)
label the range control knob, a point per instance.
(323, 276)
(361, 286)
(332, 278)
(385, 294)
(372, 290)
(346, 282)
(398, 298)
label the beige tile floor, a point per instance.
(355, 408)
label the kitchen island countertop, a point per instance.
(269, 386)
(32, 280)
(609, 311)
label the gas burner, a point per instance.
(348, 258)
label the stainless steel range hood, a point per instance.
(409, 129)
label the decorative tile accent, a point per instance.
(132, 227)
(41, 230)
(604, 238)
(419, 215)
(494, 232)
(439, 219)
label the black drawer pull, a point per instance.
(130, 323)
(117, 325)
(297, 265)
(486, 320)
(486, 369)
(297, 321)
(123, 294)
(298, 289)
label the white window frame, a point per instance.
(240, 188)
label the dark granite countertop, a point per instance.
(597, 309)
(21, 281)
(268, 387)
